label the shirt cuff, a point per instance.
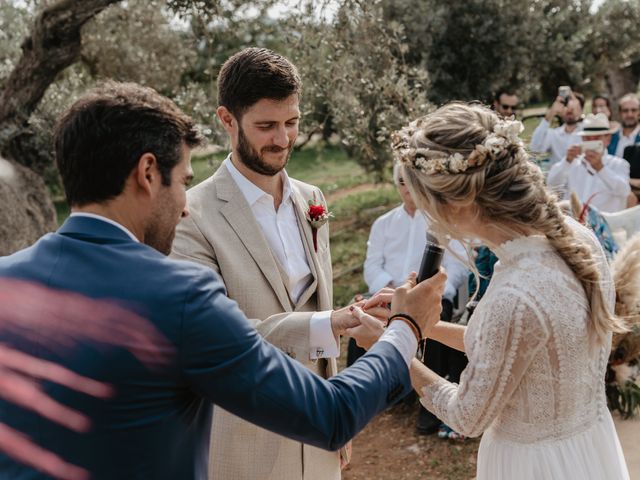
(381, 281)
(323, 343)
(400, 335)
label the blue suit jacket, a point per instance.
(157, 426)
(615, 138)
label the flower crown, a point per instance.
(505, 134)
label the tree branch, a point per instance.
(53, 45)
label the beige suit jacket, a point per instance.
(221, 232)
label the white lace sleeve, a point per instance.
(501, 341)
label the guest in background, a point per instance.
(394, 250)
(629, 132)
(505, 102)
(597, 177)
(601, 104)
(556, 141)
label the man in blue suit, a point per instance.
(123, 152)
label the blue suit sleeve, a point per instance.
(226, 361)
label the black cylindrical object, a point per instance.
(431, 259)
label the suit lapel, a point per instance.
(241, 219)
(307, 240)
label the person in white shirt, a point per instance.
(595, 176)
(395, 248)
(396, 244)
(629, 132)
(556, 141)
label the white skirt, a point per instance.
(594, 454)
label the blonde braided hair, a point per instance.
(506, 190)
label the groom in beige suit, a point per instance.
(249, 223)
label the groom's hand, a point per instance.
(342, 319)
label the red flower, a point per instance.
(317, 216)
(316, 211)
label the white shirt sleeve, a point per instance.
(559, 173)
(375, 275)
(400, 335)
(616, 178)
(457, 272)
(540, 140)
(321, 339)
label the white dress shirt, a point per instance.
(283, 234)
(609, 187)
(555, 141)
(395, 248)
(626, 140)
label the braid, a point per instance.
(506, 190)
(580, 259)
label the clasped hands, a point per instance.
(367, 319)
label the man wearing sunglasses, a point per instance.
(505, 102)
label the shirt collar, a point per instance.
(251, 192)
(107, 220)
(632, 134)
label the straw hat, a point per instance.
(596, 125)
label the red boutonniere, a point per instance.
(317, 215)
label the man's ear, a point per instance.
(229, 122)
(147, 175)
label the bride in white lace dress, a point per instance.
(539, 339)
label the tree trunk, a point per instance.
(621, 81)
(27, 212)
(53, 45)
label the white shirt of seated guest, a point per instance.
(555, 141)
(626, 141)
(282, 232)
(395, 247)
(609, 187)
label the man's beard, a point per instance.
(161, 229)
(571, 121)
(629, 125)
(254, 161)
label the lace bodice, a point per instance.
(532, 375)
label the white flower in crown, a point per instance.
(422, 164)
(509, 129)
(457, 163)
(495, 144)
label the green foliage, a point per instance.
(358, 83)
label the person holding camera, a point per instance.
(568, 106)
(597, 177)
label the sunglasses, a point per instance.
(508, 107)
